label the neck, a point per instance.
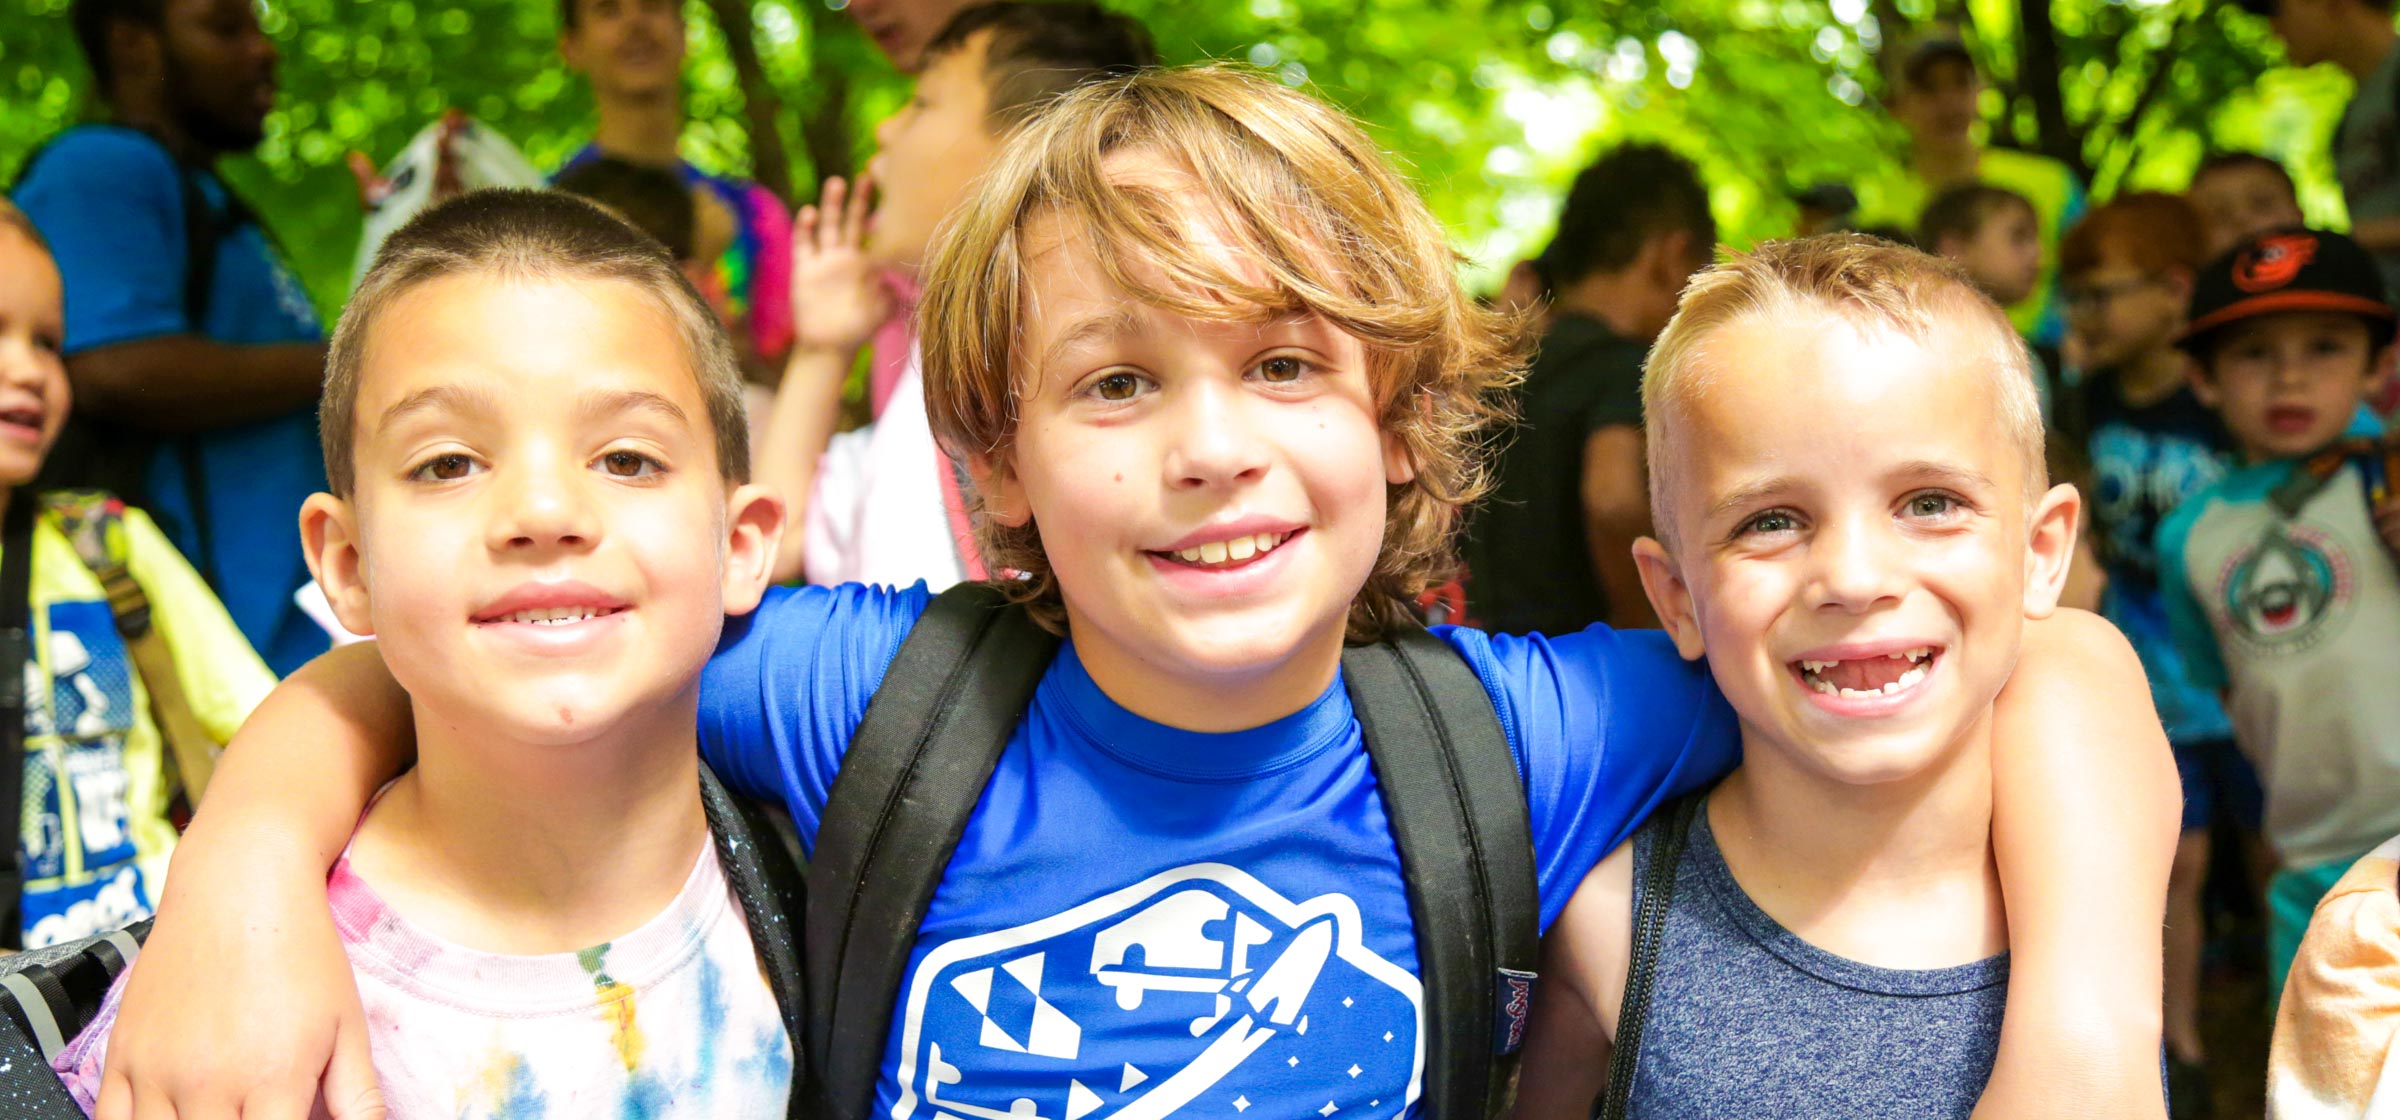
(1896, 874)
(2152, 376)
(141, 113)
(1622, 300)
(1945, 160)
(1215, 703)
(514, 847)
(643, 129)
(2367, 45)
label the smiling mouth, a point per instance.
(24, 417)
(1868, 677)
(554, 616)
(1229, 553)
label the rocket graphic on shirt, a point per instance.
(1197, 992)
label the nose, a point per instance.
(542, 507)
(1212, 442)
(1852, 566)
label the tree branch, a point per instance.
(2038, 74)
(769, 164)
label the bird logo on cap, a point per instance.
(2273, 262)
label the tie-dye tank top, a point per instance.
(673, 1020)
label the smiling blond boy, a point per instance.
(1854, 545)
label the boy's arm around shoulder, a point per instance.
(2085, 808)
(243, 997)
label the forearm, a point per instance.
(296, 777)
(798, 429)
(2084, 818)
(187, 383)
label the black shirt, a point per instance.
(1529, 562)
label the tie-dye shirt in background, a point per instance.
(674, 1020)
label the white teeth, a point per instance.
(1910, 678)
(1920, 653)
(1266, 542)
(1859, 694)
(1822, 685)
(1213, 552)
(1232, 551)
(1241, 548)
(1817, 666)
(1189, 556)
(554, 616)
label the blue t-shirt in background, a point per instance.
(1140, 918)
(110, 202)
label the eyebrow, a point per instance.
(1923, 472)
(439, 398)
(1115, 324)
(633, 400)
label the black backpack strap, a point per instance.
(1457, 810)
(16, 649)
(910, 779)
(767, 882)
(47, 997)
(1653, 895)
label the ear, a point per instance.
(2179, 280)
(753, 531)
(1399, 464)
(1003, 496)
(1669, 253)
(2204, 386)
(1662, 581)
(2050, 548)
(134, 48)
(568, 52)
(329, 541)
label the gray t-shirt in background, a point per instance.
(2366, 154)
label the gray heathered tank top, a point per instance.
(1748, 1020)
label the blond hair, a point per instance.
(537, 234)
(1869, 282)
(1314, 222)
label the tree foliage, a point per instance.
(1492, 103)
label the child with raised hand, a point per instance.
(1855, 546)
(2281, 579)
(1209, 361)
(883, 504)
(534, 437)
(99, 775)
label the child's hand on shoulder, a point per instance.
(838, 296)
(2387, 523)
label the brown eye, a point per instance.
(444, 468)
(1117, 387)
(629, 464)
(1282, 369)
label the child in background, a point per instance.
(1994, 234)
(883, 504)
(1187, 311)
(2282, 595)
(2128, 271)
(2240, 195)
(1860, 599)
(533, 434)
(92, 830)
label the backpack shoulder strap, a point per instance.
(911, 777)
(1653, 896)
(47, 997)
(768, 883)
(94, 522)
(1457, 810)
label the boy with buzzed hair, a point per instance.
(1854, 545)
(545, 534)
(1992, 232)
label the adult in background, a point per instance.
(2357, 36)
(1933, 91)
(189, 341)
(1552, 549)
(632, 53)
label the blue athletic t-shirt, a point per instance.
(110, 202)
(1141, 919)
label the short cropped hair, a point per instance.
(535, 235)
(1963, 210)
(1616, 205)
(1315, 222)
(13, 218)
(1868, 282)
(1039, 50)
(2229, 161)
(2153, 231)
(92, 19)
(654, 199)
